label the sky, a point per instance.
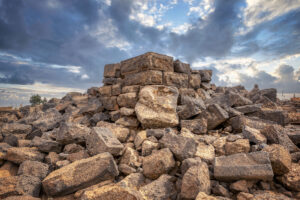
(51, 47)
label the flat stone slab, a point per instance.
(252, 166)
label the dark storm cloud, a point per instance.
(213, 37)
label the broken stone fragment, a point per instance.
(291, 180)
(195, 180)
(280, 158)
(80, 174)
(127, 100)
(181, 67)
(34, 168)
(251, 166)
(156, 107)
(254, 135)
(147, 61)
(72, 133)
(20, 154)
(128, 121)
(103, 140)
(197, 126)
(15, 128)
(161, 188)
(216, 116)
(46, 145)
(205, 75)
(205, 152)
(130, 157)
(158, 163)
(195, 81)
(120, 132)
(249, 108)
(181, 147)
(45, 120)
(238, 146)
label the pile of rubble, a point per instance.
(156, 130)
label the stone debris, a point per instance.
(155, 130)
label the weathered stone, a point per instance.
(280, 158)
(120, 132)
(238, 146)
(72, 133)
(158, 163)
(205, 75)
(157, 133)
(268, 195)
(204, 196)
(126, 169)
(271, 93)
(127, 100)
(46, 145)
(20, 154)
(160, 189)
(130, 157)
(19, 185)
(278, 116)
(190, 106)
(134, 180)
(229, 99)
(80, 174)
(23, 197)
(105, 91)
(72, 157)
(181, 67)
(109, 192)
(147, 61)
(116, 89)
(275, 134)
(61, 163)
(72, 148)
(103, 140)
(156, 107)
(33, 168)
(254, 135)
(176, 79)
(130, 88)
(195, 81)
(181, 147)
(52, 158)
(16, 128)
(148, 146)
(252, 166)
(195, 180)
(139, 139)
(11, 139)
(144, 78)
(205, 152)
(249, 108)
(128, 121)
(111, 81)
(112, 70)
(188, 163)
(219, 145)
(197, 126)
(291, 180)
(47, 120)
(110, 103)
(216, 116)
(239, 186)
(218, 189)
(8, 169)
(126, 111)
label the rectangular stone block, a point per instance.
(251, 166)
(178, 80)
(102, 140)
(111, 81)
(144, 78)
(110, 103)
(181, 67)
(105, 91)
(112, 70)
(116, 89)
(80, 174)
(147, 61)
(131, 88)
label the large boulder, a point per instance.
(80, 174)
(291, 180)
(195, 180)
(156, 107)
(251, 166)
(103, 140)
(215, 116)
(158, 163)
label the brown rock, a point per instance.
(205, 151)
(195, 180)
(110, 103)
(33, 168)
(130, 157)
(144, 78)
(8, 169)
(20, 154)
(197, 126)
(128, 121)
(147, 61)
(46, 145)
(239, 186)
(127, 100)
(103, 140)
(251, 166)
(238, 146)
(216, 116)
(72, 133)
(176, 79)
(130, 88)
(291, 180)
(204, 196)
(15, 128)
(195, 81)
(80, 174)
(280, 158)
(158, 163)
(120, 132)
(181, 67)
(112, 70)
(254, 135)
(156, 107)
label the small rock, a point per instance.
(120, 132)
(46, 145)
(34, 168)
(239, 186)
(238, 146)
(205, 152)
(20, 154)
(254, 135)
(197, 126)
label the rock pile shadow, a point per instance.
(155, 130)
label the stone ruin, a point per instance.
(155, 130)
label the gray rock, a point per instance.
(46, 145)
(103, 140)
(254, 135)
(252, 166)
(34, 168)
(72, 133)
(15, 128)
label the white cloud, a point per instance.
(258, 11)
(84, 76)
(181, 29)
(203, 9)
